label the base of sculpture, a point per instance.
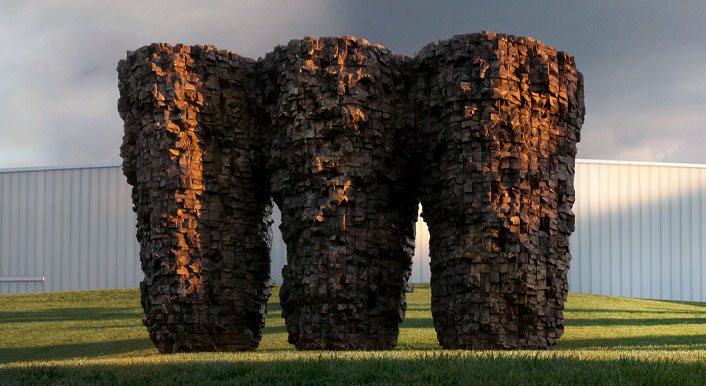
(348, 138)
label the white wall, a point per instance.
(73, 226)
(639, 231)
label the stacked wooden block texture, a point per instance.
(339, 153)
(498, 118)
(348, 138)
(192, 156)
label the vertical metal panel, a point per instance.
(655, 246)
(58, 269)
(5, 234)
(14, 225)
(31, 229)
(84, 228)
(47, 233)
(601, 225)
(645, 257)
(35, 228)
(68, 275)
(685, 206)
(22, 211)
(584, 231)
(122, 248)
(695, 236)
(624, 216)
(665, 237)
(635, 228)
(614, 233)
(675, 233)
(593, 246)
(702, 236)
(120, 274)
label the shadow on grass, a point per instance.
(76, 350)
(330, 368)
(70, 314)
(274, 330)
(414, 309)
(68, 351)
(657, 342)
(680, 303)
(417, 323)
(407, 323)
(622, 311)
(102, 327)
(632, 322)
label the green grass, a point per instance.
(93, 337)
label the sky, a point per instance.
(644, 62)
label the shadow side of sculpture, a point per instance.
(347, 138)
(339, 157)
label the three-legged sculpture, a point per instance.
(347, 138)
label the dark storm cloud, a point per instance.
(643, 62)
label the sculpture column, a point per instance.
(339, 158)
(191, 154)
(499, 118)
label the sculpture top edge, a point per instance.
(458, 38)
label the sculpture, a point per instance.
(347, 138)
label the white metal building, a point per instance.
(639, 231)
(68, 228)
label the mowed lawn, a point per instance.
(97, 337)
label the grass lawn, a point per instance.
(97, 337)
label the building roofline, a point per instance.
(640, 163)
(60, 167)
(578, 161)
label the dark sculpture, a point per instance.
(347, 138)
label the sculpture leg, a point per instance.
(200, 198)
(339, 176)
(499, 118)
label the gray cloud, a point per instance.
(642, 61)
(58, 66)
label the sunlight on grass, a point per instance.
(97, 337)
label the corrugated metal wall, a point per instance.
(74, 226)
(639, 231)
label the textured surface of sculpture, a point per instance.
(498, 121)
(193, 160)
(347, 138)
(338, 127)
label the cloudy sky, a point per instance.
(644, 62)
